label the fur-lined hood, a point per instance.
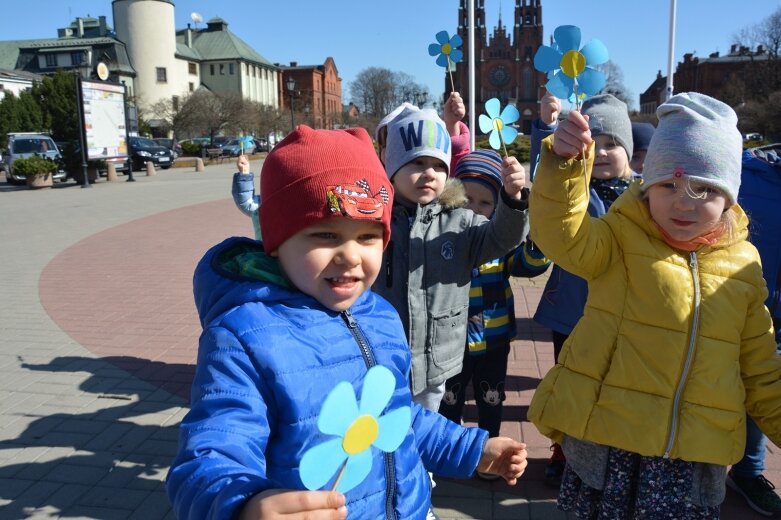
(454, 194)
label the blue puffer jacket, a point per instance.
(760, 197)
(268, 356)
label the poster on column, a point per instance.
(104, 120)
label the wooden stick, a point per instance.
(339, 476)
(450, 72)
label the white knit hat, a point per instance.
(697, 137)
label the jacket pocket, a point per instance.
(448, 337)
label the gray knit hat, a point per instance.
(416, 133)
(697, 136)
(608, 115)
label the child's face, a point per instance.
(334, 261)
(479, 199)
(610, 158)
(685, 214)
(421, 180)
(638, 158)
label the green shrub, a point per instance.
(34, 165)
(193, 149)
(520, 148)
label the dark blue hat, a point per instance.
(641, 135)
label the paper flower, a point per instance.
(447, 49)
(359, 429)
(569, 69)
(498, 124)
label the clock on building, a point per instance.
(498, 76)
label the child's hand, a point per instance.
(242, 163)
(550, 108)
(513, 177)
(455, 110)
(572, 136)
(504, 457)
(276, 503)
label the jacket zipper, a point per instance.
(689, 354)
(368, 358)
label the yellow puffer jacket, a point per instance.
(673, 348)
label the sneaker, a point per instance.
(555, 468)
(431, 515)
(758, 492)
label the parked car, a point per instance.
(234, 148)
(143, 150)
(261, 145)
(24, 144)
(71, 154)
(170, 144)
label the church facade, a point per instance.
(504, 60)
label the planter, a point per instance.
(40, 180)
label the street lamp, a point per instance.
(291, 88)
(83, 70)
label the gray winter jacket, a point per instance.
(426, 272)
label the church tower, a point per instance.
(504, 62)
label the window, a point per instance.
(254, 70)
(51, 60)
(222, 69)
(211, 69)
(161, 75)
(192, 86)
(77, 57)
(231, 68)
(192, 68)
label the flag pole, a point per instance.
(471, 72)
(671, 53)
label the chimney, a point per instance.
(103, 27)
(733, 48)
(714, 54)
(294, 64)
(79, 27)
(188, 36)
(760, 49)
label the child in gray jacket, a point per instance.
(435, 243)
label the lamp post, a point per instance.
(291, 88)
(82, 70)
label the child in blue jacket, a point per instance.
(491, 325)
(286, 321)
(243, 191)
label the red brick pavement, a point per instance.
(126, 295)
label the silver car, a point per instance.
(21, 145)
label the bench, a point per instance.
(215, 154)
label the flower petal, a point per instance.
(442, 37)
(486, 123)
(591, 81)
(510, 115)
(494, 141)
(393, 427)
(443, 61)
(434, 49)
(456, 55)
(595, 52)
(508, 135)
(492, 108)
(456, 40)
(567, 38)
(547, 59)
(320, 463)
(358, 466)
(378, 387)
(560, 85)
(339, 410)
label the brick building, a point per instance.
(504, 61)
(317, 96)
(724, 77)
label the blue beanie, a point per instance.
(641, 135)
(483, 166)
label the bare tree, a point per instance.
(206, 112)
(373, 90)
(614, 82)
(761, 43)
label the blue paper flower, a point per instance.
(569, 68)
(357, 430)
(447, 48)
(499, 124)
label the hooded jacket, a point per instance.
(268, 356)
(427, 270)
(673, 348)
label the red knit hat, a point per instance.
(313, 175)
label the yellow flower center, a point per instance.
(573, 63)
(360, 435)
(447, 48)
(498, 124)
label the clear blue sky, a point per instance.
(395, 34)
